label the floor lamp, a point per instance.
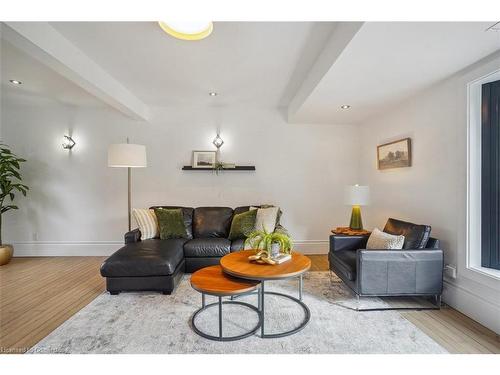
(127, 155)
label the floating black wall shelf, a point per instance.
(237, 168)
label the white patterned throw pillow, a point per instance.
(385, 241)
(147, 222)
(266, 218)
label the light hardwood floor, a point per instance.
(39, 294)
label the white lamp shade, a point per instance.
(357, 195)
(126, 155)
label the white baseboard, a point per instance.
(106, 248)
(472, 305)
(54, 248)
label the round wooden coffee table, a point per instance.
(212, 281)
(237, 264)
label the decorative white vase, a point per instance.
(275, 250)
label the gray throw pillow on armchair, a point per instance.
(379, 240)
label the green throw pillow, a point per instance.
(242, 225)
(170, 223)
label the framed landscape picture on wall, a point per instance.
(204, 159)
(395, 154)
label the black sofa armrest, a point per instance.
(341, 242)
(399, 272)
(433, 243)
(133, 236)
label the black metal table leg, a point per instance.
(304, 322)
(262, 291)
(220, 336)
(301, 285)
(258, 299)
(220, 317)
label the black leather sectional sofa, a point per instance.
(158, 265)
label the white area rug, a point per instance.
(155, 323)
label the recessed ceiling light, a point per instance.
(345, 106)
(213, 93)
(15, 82)
(193, 30)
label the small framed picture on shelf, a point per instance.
(204, 159)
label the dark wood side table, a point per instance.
(346, 231)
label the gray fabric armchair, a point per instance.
(408, 272)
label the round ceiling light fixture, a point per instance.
(213, 93)
(187, 30)
(15, 82)
(345, 106)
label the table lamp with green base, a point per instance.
(357, 196)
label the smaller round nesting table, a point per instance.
(213, 281)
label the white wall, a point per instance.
(434, 190)
(77, 205)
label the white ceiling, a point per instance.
(39, 80)
(257, 64)
(245, 62)
(387, 62)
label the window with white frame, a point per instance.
(483, 243)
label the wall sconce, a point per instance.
(218, 142)
(68, 143)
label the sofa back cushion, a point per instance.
(416, 236)
(241, 209)
(187, 214)
(212, 222)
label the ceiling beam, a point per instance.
(41, 41)
(340, 37)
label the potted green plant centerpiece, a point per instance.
(10, 184)
(270, 247)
